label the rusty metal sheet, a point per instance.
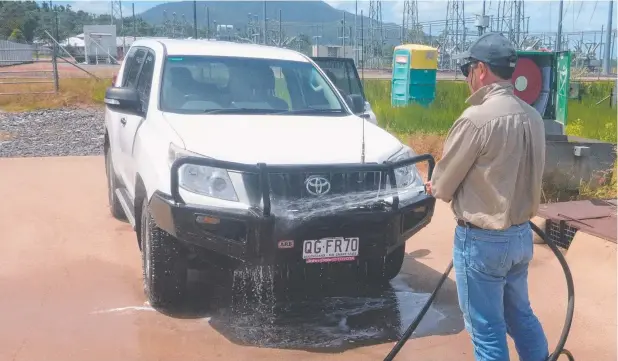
(596, 217)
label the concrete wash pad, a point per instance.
(71, 282)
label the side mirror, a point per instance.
(124, 100)
(356, 102)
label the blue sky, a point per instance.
(578, 15)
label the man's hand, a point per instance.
(428, 188)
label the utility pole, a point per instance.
(362, 49)
(207, 23)
(264, 11)
(403, 24)
(355, 33)
(194, 19)
(343, 35)
(608, 40)
(559, 36)
(316, 41)
(134, 22)
(280, 31)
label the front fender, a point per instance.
(151, 154)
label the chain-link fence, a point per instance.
(27, 69)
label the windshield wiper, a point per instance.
(311, 111)
(240, 111)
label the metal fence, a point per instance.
(27, 69)
(15, 53)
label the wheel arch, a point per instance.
(140, 195)
(106, 142)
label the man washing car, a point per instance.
(490, 172)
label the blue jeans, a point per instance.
(491, 269)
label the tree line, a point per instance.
(27, 21)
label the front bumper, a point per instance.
(259, 236)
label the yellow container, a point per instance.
(421, 56)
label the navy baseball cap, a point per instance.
(491, 48)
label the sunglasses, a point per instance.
(465, 68)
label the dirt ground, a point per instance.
(71, 286)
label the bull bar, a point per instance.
(263, 170)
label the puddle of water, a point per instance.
(323, 323)
(318, 323)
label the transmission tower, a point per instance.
(376, 34)
(512, 20)
(520, 30)
(174, 24)
(116, 16)
(116, 12)
(254, 29)
(454, 36)
(184, 24)
(166, 25)
(411, 30)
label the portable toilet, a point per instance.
(414, 74)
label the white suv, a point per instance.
(249, 154)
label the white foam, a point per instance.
(123, 309)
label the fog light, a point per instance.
(207, 220)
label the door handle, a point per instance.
(123, 121)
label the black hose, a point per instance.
(560, 350)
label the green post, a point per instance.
(563, 82)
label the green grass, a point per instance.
(585, 118)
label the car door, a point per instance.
(344, 72)
(130, 123)
(344, 75)
(128, 78)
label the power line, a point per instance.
(593, 11)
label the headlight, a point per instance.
(200, 179)
(208, 181)
(408, 175)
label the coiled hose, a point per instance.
(560, 350)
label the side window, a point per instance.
(353, 80)
(128, 63)
(145, 81)
(133, 64)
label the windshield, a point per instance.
(209, 84)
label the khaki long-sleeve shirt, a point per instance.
(493, 159)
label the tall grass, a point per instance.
(72, 92)
(585, 118)
(436, 118)
(588, 119)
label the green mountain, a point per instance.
(310, 18)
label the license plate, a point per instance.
(332, 249)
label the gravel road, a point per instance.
(52, 133)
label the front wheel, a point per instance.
(164, 264)
(388, 267)
(394, 262)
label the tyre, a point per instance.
(394, 262)
(386, 268)
(112, 185)
(164, 264)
